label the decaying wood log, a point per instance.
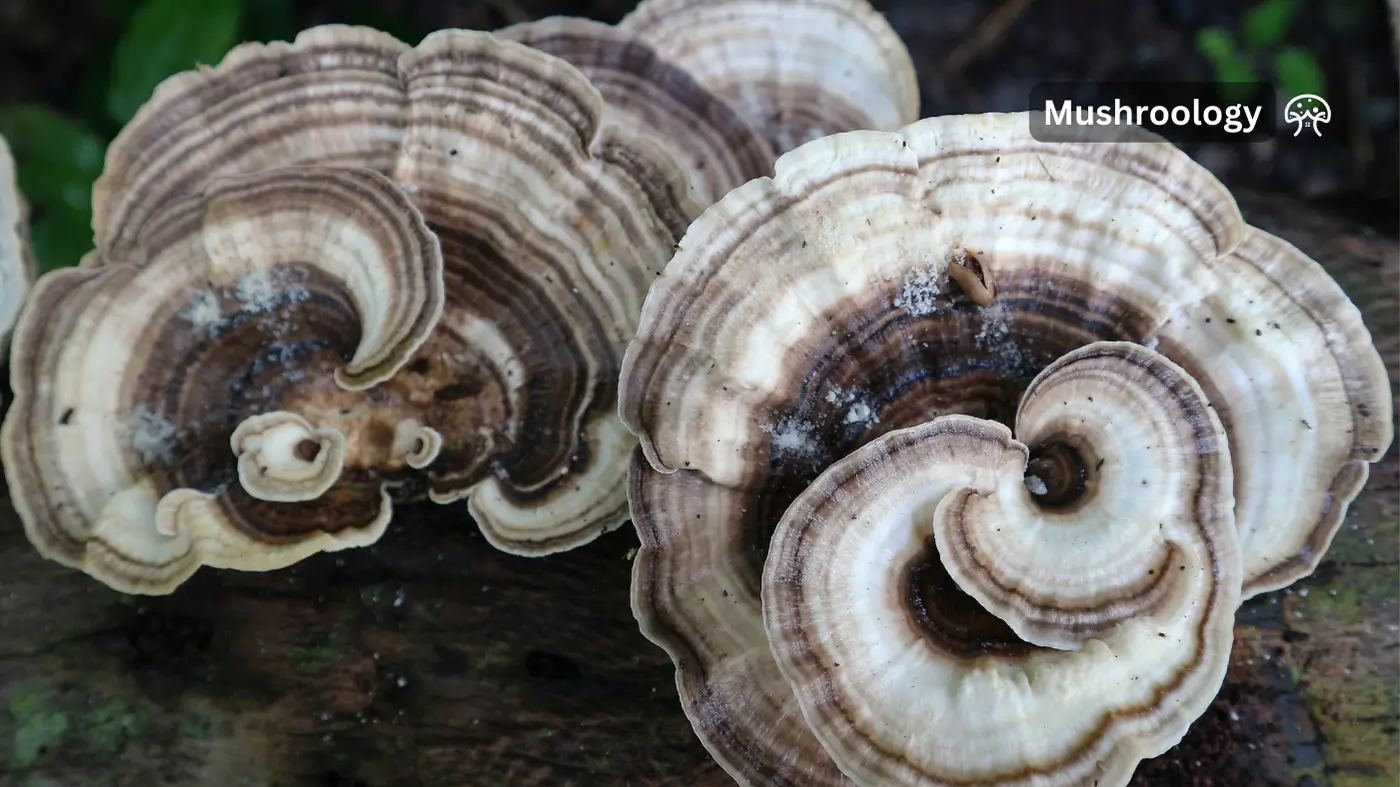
(432, 659)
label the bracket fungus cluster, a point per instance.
(959, 451)
(343, 272)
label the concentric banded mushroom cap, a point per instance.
(653, 97)
(211, 399)
(938, 270)
(333, 96)
(552, 218)
(16, 261)
(1132, 569)
(795, 69)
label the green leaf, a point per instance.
(56, 157)
(1298, 72)
(1267, 23)
(1216, 44)
(1235, 75)
(166, 37)
(60, 236)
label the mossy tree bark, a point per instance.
(431, 659)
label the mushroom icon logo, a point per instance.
(1308, 111)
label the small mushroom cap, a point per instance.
(653, 97)
(748, 378)
(553, 218)
(853, 628)
(16, 260)
(795, 69)
(284, 458)
(204, 401)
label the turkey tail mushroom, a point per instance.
(935, 271)
(332, 96)
(553, 216)
(258, 316)
(1136, 583)
(553, 223)
(795, 69)
(556, 201)
(652, 97)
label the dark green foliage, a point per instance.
(1261, 44)
(58, 157)
(165, 37)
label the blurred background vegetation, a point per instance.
(72, 72)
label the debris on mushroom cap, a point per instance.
(16, 261)
(747, 379)
(553, 218)
(795, 69)
(651, 96)
(1137, 583)
(255, 316)
(1287, 361)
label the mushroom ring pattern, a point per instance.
(555, 164)
(258, 316)
(1121, 595)
(881, 280)
(796, 70)
(551, 220)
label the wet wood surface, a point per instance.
(431, 659)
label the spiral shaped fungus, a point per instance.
(943, 279)
(1135, 580)
(256, 316)
(542, 223)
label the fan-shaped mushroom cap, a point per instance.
(651, 96)
(748, 378)
(16, 263)
(795, 69)
(333, 96)
(552, 219)
(1133, 566)
(257, 317)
